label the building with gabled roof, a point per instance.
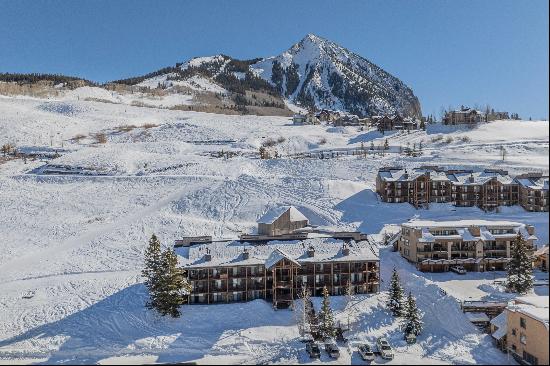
(477, 245)
(533, 192)
(281, 220)
(229, 271)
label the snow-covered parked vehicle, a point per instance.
(366, 352)
(458, 269)
(384, 348)
(332, 348)
(313, 349)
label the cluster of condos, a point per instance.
(285, 256)
(487, 189)
(338, 118)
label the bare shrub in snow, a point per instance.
(437, 138)
(281, 139)
(465, 139)
(448, 140)
(322, 141)
(100, 138)
(149, 125)
(125, 128)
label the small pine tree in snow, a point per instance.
(520, 268)
(326, 317)
(174, 286)
(396, 299)
(386, 145)
(412, 323)
(371, 145)
(153, 271)
(305, 311)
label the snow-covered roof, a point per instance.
(542, 251)
(500, 320)
(272, 215)
(463, 232)
(538, 301)
(476, 178)
(477, 317)
(536, 183)
(230, 253)
(535, 307)
(404, 175)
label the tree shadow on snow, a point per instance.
(120, 325)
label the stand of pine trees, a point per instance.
(520, 267)
(396, 297)
(412, 323)
(326, 317)
(166, 282)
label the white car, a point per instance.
(366, 353)
(384, 348)
(458, 269)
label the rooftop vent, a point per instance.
(208, 256)
(471, 178)
(246, 254)
(345, 249)
(311, 251)
(406, 175)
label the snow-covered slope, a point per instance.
(320, 73)
(76, 242)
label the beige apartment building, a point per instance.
(477, 245)
(527, 330)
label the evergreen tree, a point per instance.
(371, 145)
(326, 317)
(520, 267)
(153, 271)
(422, 125)
(413, 320)
(386, 145)
(396, 301)
(305, 311)
(174, 286)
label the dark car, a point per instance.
(332, 348)
(313, 350)
(366, 352)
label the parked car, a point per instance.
(384, 348)
(366, 353)
(458, 269)
(313, 350)
(332, 348)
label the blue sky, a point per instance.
(448, 52)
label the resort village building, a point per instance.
(522, 330)
(487, 189)
(477, 245)
(464, 115)
(533, 192)
(276, 267)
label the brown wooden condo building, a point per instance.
(487, 189)
(232, 271)
(477, 245)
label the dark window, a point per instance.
(522, 323)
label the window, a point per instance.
(522, 323)
(523, 338)
(406, 252)
(514, 332)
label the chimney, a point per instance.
(311, 251)
(471, 178)
(345, 249)
(208, 256)
(246, 255)
(406, 175)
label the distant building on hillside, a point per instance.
(464, 115)
(487, 189)
(391, 123)
(347, 120)
(477, 245)
(305, 119)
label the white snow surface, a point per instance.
(72, 245)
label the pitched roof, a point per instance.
(229, 253)
(272, 215)
(276, 256)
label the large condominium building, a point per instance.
(486, 189)
(277, 270)
(478, 245)
(464, 115)
(533, 192)
(416, 186)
